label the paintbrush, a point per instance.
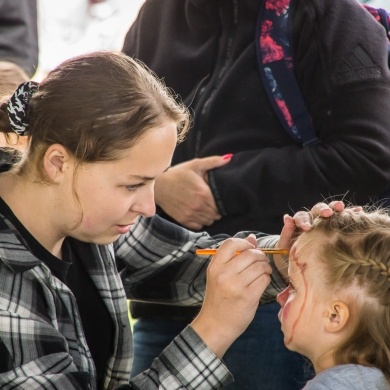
(272, 251)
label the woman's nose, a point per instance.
(145, 204)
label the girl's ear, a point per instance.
(54, 162)
(337, 316)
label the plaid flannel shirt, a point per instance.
(42, 343)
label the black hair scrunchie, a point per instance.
(18, 104)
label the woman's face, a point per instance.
(114, 194)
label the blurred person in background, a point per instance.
(19, 33)
(205, 50)
(75, 27)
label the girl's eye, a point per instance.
(291, 288)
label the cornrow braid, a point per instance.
(375, 265)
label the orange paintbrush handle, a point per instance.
(273, 251)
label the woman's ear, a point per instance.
(54, 162)
(337, 316)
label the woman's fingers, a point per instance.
(236, 278)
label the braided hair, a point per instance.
(355, 251)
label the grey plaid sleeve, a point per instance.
(186, 363)
(161, 265)
(277, 284)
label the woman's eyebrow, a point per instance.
(145, 178)
(140, 177)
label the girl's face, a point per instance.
(301, 310)
(112, 195)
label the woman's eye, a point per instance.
(133, 187)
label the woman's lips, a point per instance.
(123, 229)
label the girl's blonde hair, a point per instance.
(355, 251)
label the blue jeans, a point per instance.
(258, 359)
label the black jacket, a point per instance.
(205, 50)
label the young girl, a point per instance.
(101, 129)
(336, 309)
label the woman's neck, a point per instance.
(35, 206)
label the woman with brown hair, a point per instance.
(78, 237)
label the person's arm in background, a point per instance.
(350, 114)
(348, 94)
(19, 33)
(184, 194)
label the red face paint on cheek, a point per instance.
(303, 290)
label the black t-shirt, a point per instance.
(72, 270)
